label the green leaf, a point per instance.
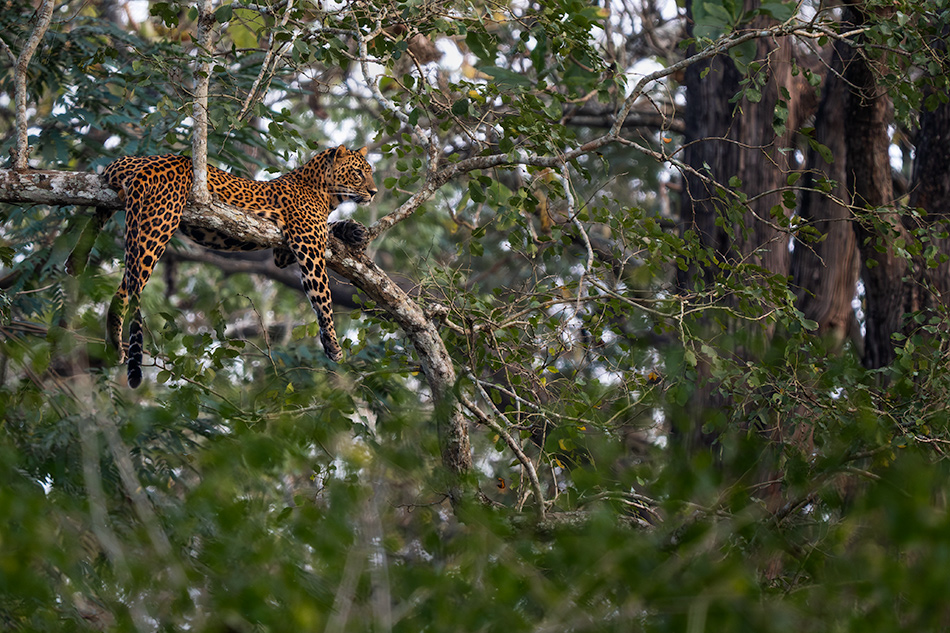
(223, 13)
(476, 192)
(507, 79)
(460, 107)
(743, 55)
(690, 357)
(781, 11)
(483, 45)
(712, 19)
(822, 150)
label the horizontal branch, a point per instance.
(46, 186)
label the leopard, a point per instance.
(155, 190)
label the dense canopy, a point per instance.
(650, 332)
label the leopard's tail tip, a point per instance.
(135, 374)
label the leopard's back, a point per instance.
(167, 171)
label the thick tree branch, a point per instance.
(424, 335)
(54, 187)
(47, 186)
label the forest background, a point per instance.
(650, 333)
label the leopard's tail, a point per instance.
(76, 262)
(135, 350)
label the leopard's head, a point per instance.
(351, 175)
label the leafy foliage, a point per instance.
(251, 486)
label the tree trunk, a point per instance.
(867, 117)
(733, 140)
(931, 192)
(825, 273)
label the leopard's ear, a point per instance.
(336, 151)
(363, 150)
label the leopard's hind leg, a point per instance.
(153, 213)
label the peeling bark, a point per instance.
(47, 186)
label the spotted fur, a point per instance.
(156, 189)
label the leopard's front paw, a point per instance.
(350, 232)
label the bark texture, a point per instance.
(931, 192)
(199, 138)
(726, 140)
(825, 273)
(867, 117)
(736, 139)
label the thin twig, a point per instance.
(266, 63)
(526, 463)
